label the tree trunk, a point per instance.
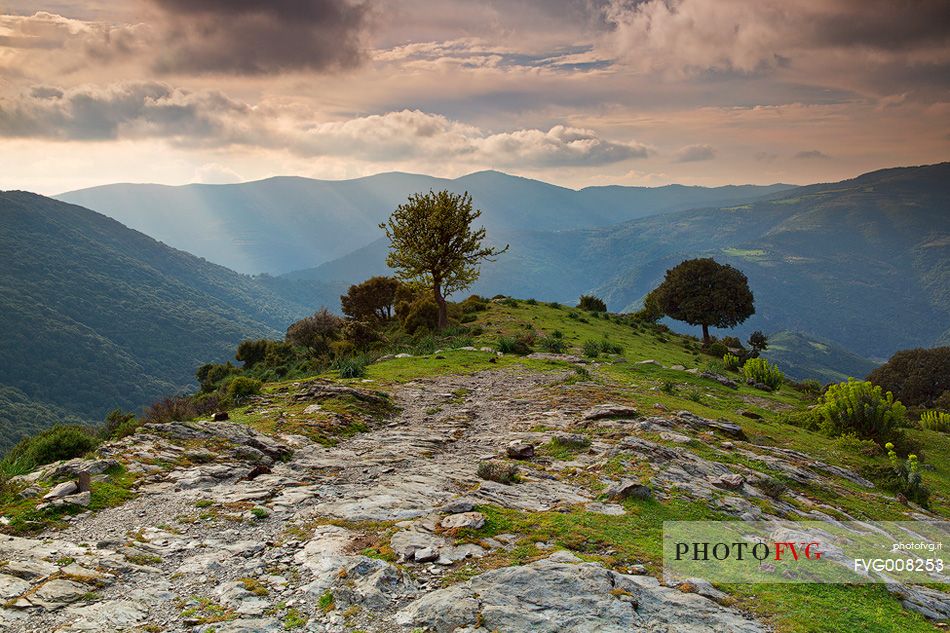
(443, 308)
(705, 335)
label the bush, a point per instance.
(552, 344)
(555, 305)
(916, 377)
(520, 345)
(211, 375)
(716, 349)
(372, 299)
(474, 304)
(352, 367)
(360, 333)
(909, 481)
(809, 387)
(861, 408)
(252, 352)
(422, 314)
(592, 304)
(118, 424)
(935, 421)
(240, 387)
(731, 362)
(591, 349)
(59, 442)
(173, 409)
(316, 332)
(606, 347)
(498, 471)
(759, 370)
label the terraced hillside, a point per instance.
(456, 489)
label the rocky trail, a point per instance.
(232, 529)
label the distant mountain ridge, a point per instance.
(284, 224)
(96, 315)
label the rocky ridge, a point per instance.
(233, 529)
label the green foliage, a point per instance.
(473, 304)
(372, 299)
(651, 312)
(552, 344)
(861, 408)
(717, 349)
(240, 387)
(935, 421)
(251, 352)
(172, 409)
(704, 292)
(422, 314)
(119, 424)
(591, 348)
(520, 345)
(59, 442)
(432, 242)
(917, 377)
(759, 370)
(211, 375)
(731, 362)
(907, 472)
(592, 303)
(351, 367)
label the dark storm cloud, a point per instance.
(261, 36)
(884, 24)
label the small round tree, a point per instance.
(707, 293)
(371, 300)
(432, 241)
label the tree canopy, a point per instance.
(372, 299)
(707, 293)
(432, 241)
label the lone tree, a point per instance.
(704, 292)
(432, 241)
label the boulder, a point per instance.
(629, 489)
(61, 490)
(519, 449)
(220, 416)
(473, 520)
(604, 411)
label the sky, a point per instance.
(574, 92)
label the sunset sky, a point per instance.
(569, 91)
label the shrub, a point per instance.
(118, 424)
(592, 304)
(498, 471)
(173, 409)
(809, 387)
(531, 302)
(240, 387)
(421, 314)
(759, 370)
(909, 480)
(731, 362)
(352, 367)
(555, 305)
(935, 421)
(316, 332)
(573, 315)
(916, 377)
(372, 299)
(851, 443)
(211, 375)
(520, 345)
(552, 344)
(668, 387)
(758, 343)
(252, 352)
(360, 333)
(861, 408)
(716, 349)
(474, 304)
(591, 348)
(63, 441)
(606, 347)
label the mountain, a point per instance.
(801, 356)
(96, 315)
(863, 263)
(284, 224)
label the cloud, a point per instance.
(698, 37)
(128, 110)
(210, 119)
(252, 37)
(812, 154)
(216, 174)
(766, 157)
(694, 153)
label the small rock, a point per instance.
(79, 499)
(649, 361)
(458, 506)
(629, 489)
(62, 490)
(519, 449)
(473, 520)
(678, 367)
(426, 554)
(730, 482)
(604, 411)
(219, 416)
(752, 415)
